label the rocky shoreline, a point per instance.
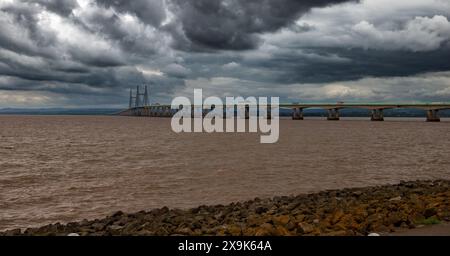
(353, 211)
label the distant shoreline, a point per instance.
(353, 211)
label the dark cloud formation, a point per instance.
(25, 18)
(321, 66)
(62, 7)
(149, 11)
(92, 51)
(235, 24)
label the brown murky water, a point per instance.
(66, 168)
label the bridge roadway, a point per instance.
(432, 109)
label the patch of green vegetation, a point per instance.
(429, 221)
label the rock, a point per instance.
(300, 217)
(305, 228)
(98, 226)
(117, 214)
(145, 233)
(337, 216)
(84, 222)
(260, 210)
(235, 230)
(265, 229)
(340, 212)
(395, 218)
(184, 231)
(13, 232)
(219, 216)
(357, 193)
(290, 226)
(281, 220)
(114, 227)
(429, 212)
(397, 198)
(249, 232)
(373, 234)
(281, 231)
(337, 233)
(73, 234)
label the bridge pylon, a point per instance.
(130, 105)
(139, 99)
(145, 99)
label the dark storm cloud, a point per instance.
(321, 65)
(149, 11)
(26, 18)
(70, 73)
(42, 42)
(316, 64)
(99, 49)
(110, 27)
(61, 7)
(204, 25)
(235, 24)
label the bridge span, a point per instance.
(139, 106)
(432, 109)
(376, 114)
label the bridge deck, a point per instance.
(339, 105)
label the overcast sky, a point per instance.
(88, 53)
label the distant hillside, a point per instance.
(58, 111)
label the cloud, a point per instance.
(427, 87)
(176, 70)
(379, 25)
(89, 52)
(61, 7)
(149, 11)
(419, 34)
(231, 65)
(233, 24)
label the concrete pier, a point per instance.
(377, 115)
(333, 114)
(247, 112)
(297, 114)
(433, 115)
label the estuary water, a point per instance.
(68, 168)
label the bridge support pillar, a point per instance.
(377, 115)
(247, 112)
(137, 111)
(297, 114)
(333, 114)
(433, 115)
(166, 111)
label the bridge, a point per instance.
(139, 106)
(432, 109)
